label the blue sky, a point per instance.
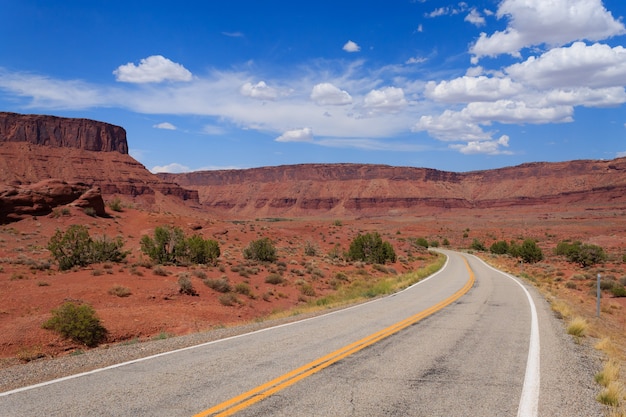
(456, 86)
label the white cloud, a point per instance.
(173, 168)
(154, 69)
(387, 99)
(554, 23)
(578, 65)
(260, 91)
(296, 135)
(467, 89)
(490, 147)
(415, 60)
(620, 154)
(164, 125)
(475, 18)
(351, 47)
(451, 126)
(213, 130)
(511, 111)
(328, 94)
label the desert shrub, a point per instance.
(420, 241)
(433, 243)
(371, 248)
(582, 254)
(530, 252)
(160, 271)
(201, 251)
(500, 247)
(75, 247)
(618, 291)
(71, 248)
(184, 285)
(166, 246)
(78, 323)
(445, 242)
(219, 285)
(477, 245)
(307, 289)
(120, 291)
(571, 285)
(310, 249)
(243, 289)
(262, 250)
(228, 299)
(115, 204)
(274, 279)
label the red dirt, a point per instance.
(155, 307)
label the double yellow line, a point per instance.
(263, 391)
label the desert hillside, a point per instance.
(379, 190)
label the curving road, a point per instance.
(468, 341)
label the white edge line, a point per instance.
(529, 401)
(158, 355)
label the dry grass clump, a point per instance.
(120, 291)
(577, 327)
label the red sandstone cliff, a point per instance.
(354, 189)
(62, 132)
(36, 147)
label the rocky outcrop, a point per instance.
(62, 132)
(356, 189)
(17, 202)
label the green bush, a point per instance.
(170, 246)
(420, 241)
(618, 291)
(202, 251)
(371, 248)
(477, 245)
(262, 250)
(167, 245)
(499, 248)
(274, 279)
(78, 323)
(116, 204)
(582, 254)
(219, 285)
(75, 247)
(530, 252)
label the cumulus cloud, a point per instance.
(451, 126)
(328, 94)
(154, 69)
(260, 91)
(164, 125)
(554, 23)
(475, 18)
(173, 168)
(387, 99)
(578, 65)
(489, 147)
(296, 135)
(351, 47)
(467, 89)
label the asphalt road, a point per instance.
(495, 351)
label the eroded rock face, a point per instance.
(62, 132)
(18, 202)
(357, 189)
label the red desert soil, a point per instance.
(29, 290)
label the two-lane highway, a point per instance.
(459, 343)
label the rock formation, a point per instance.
(17, 202)
(355, 189)
(36, 147)
(62, 132)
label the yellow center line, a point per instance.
(257, 394)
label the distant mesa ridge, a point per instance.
(62, 132)
(34, 148)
